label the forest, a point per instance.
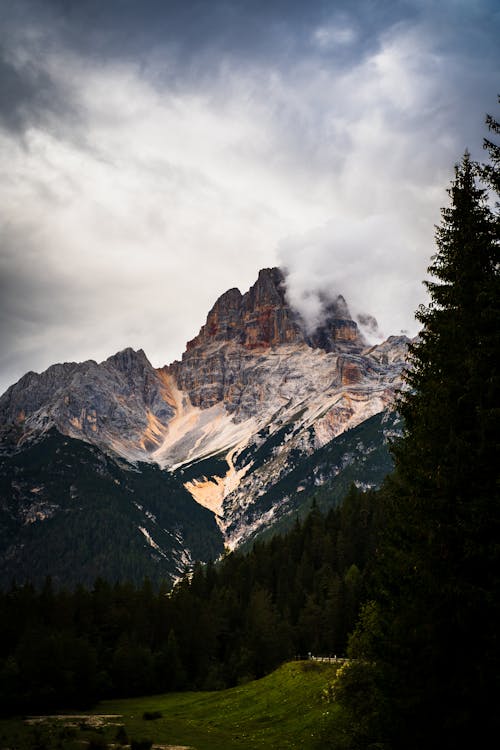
(222, 625)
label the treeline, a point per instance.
(224, 624)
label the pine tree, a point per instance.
(431, 642)
(491, 171)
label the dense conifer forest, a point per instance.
(222, 625)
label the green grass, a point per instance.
(283, 710)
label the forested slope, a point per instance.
(225, 624)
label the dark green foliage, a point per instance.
(141, 744)
(208, 467)
(152, 715)
(71, 512)
(428, 674)
(132, 668)
(491, 171)
(121, 736)
(97, 742)
(221, 626)
(260, 454)
(93, 508)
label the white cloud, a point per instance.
(334, 35)
(156, 206)
(391, 114)
(366, 260)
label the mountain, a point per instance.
(258, 414)
(121, 405)
(73, 512)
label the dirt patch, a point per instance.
(101, 720)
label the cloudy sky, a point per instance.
(158, 152)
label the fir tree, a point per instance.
(491, 171)
(430, 642)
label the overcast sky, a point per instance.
(156, 153)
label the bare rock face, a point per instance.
(262, 318)
(119, 404)
(253, 359)
(267, 319)
(219, 364)
(223, 321)
(258, 319)
(393, 350)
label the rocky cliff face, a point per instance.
(262, 318)
(241, 330)
(121, 404)
(254, 390)
(258, 319)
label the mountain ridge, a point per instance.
(255, 392)
(243, 334)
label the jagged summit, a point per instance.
(129, 359)
(262, 318)
(253, 358)
(254, 354)
(259, 318)
(219, 364)
(119, 404)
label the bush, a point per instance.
(121, 736)
(141, 744)
(151, 715)
(97, 743)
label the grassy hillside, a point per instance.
(283, 710)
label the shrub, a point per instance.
(97, 742)
(141, 744)
(151, 715)
(121, 736)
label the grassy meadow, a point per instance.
(286, 709)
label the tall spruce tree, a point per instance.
(429, 640)
(491, 171)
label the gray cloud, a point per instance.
(156, 154)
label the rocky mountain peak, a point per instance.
(262, 318)
(218, 365)
(223, 321)
(257, 319)
(128, 360)
(267, 318)
(269, 289)
(337, 330)
(253, 357)
(119, 404)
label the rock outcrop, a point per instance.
(120, 404)
(262, 318)
(256, 320)
(219, 364)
